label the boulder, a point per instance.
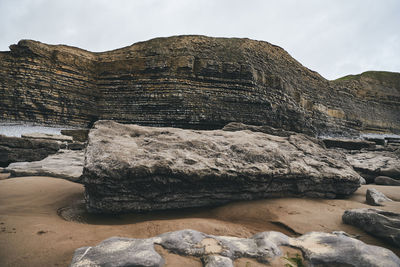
(16, 149)
(371, 164)
(318, 249)
(46, 136)
(375, 198)
(382, 224)
(79, 135)
(384, 180)
(135, 168)
(350, 144)
(67, 164)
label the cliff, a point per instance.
(190, 82)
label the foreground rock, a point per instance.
(371, 164)
(16, 149)
(375, 198)
(67, 164)
(383, 224)
(319, 249)
(79, 135)
(135, 168)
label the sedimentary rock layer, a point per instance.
(191, 82)
(15, 149)
(136, 168)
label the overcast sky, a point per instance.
(332, 37)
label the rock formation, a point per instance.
(375, 198)
(191, 82)
(318, 249)
(137, 168)
(15, 149)
(67, 164)
(371, 164)
(383, 224)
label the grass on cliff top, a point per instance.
(382, 76)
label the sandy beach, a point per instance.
(32, 232)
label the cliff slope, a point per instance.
(191, 82)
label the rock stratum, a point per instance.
(191, 82)
(131, 168)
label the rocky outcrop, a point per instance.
(375, 198)
(137, 168)
(65, 164)
(319, 249)
(55, 137)
(15, 149)
(191, 82)
(371, 164)
(350, 144)
(383, 224)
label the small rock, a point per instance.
(384, 180)
(374, 197)
(383, 224)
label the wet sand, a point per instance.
(32, 232)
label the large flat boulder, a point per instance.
(135, 168)
(67, 164)
(16, 149)
(318, 249)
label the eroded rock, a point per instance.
(383, 224)
(375, 198)
(350, 144)
(16, 149)
(46, 136)
(371, 164)
(67, 164)
(136, 168)
(384, 180)
(319, 249)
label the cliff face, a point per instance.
(189, 82)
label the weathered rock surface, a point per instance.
(375, 163)
(65, 164)
(350, 144)
(375, 198)
(44, 136)
(137, 168)
(384, 180)
(191, 82)
(15, 149)
(383, 224)
(319, 249)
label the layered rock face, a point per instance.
(191, 82)
(136, 168)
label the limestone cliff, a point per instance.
(190, 82)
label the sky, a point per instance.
(332, 37)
